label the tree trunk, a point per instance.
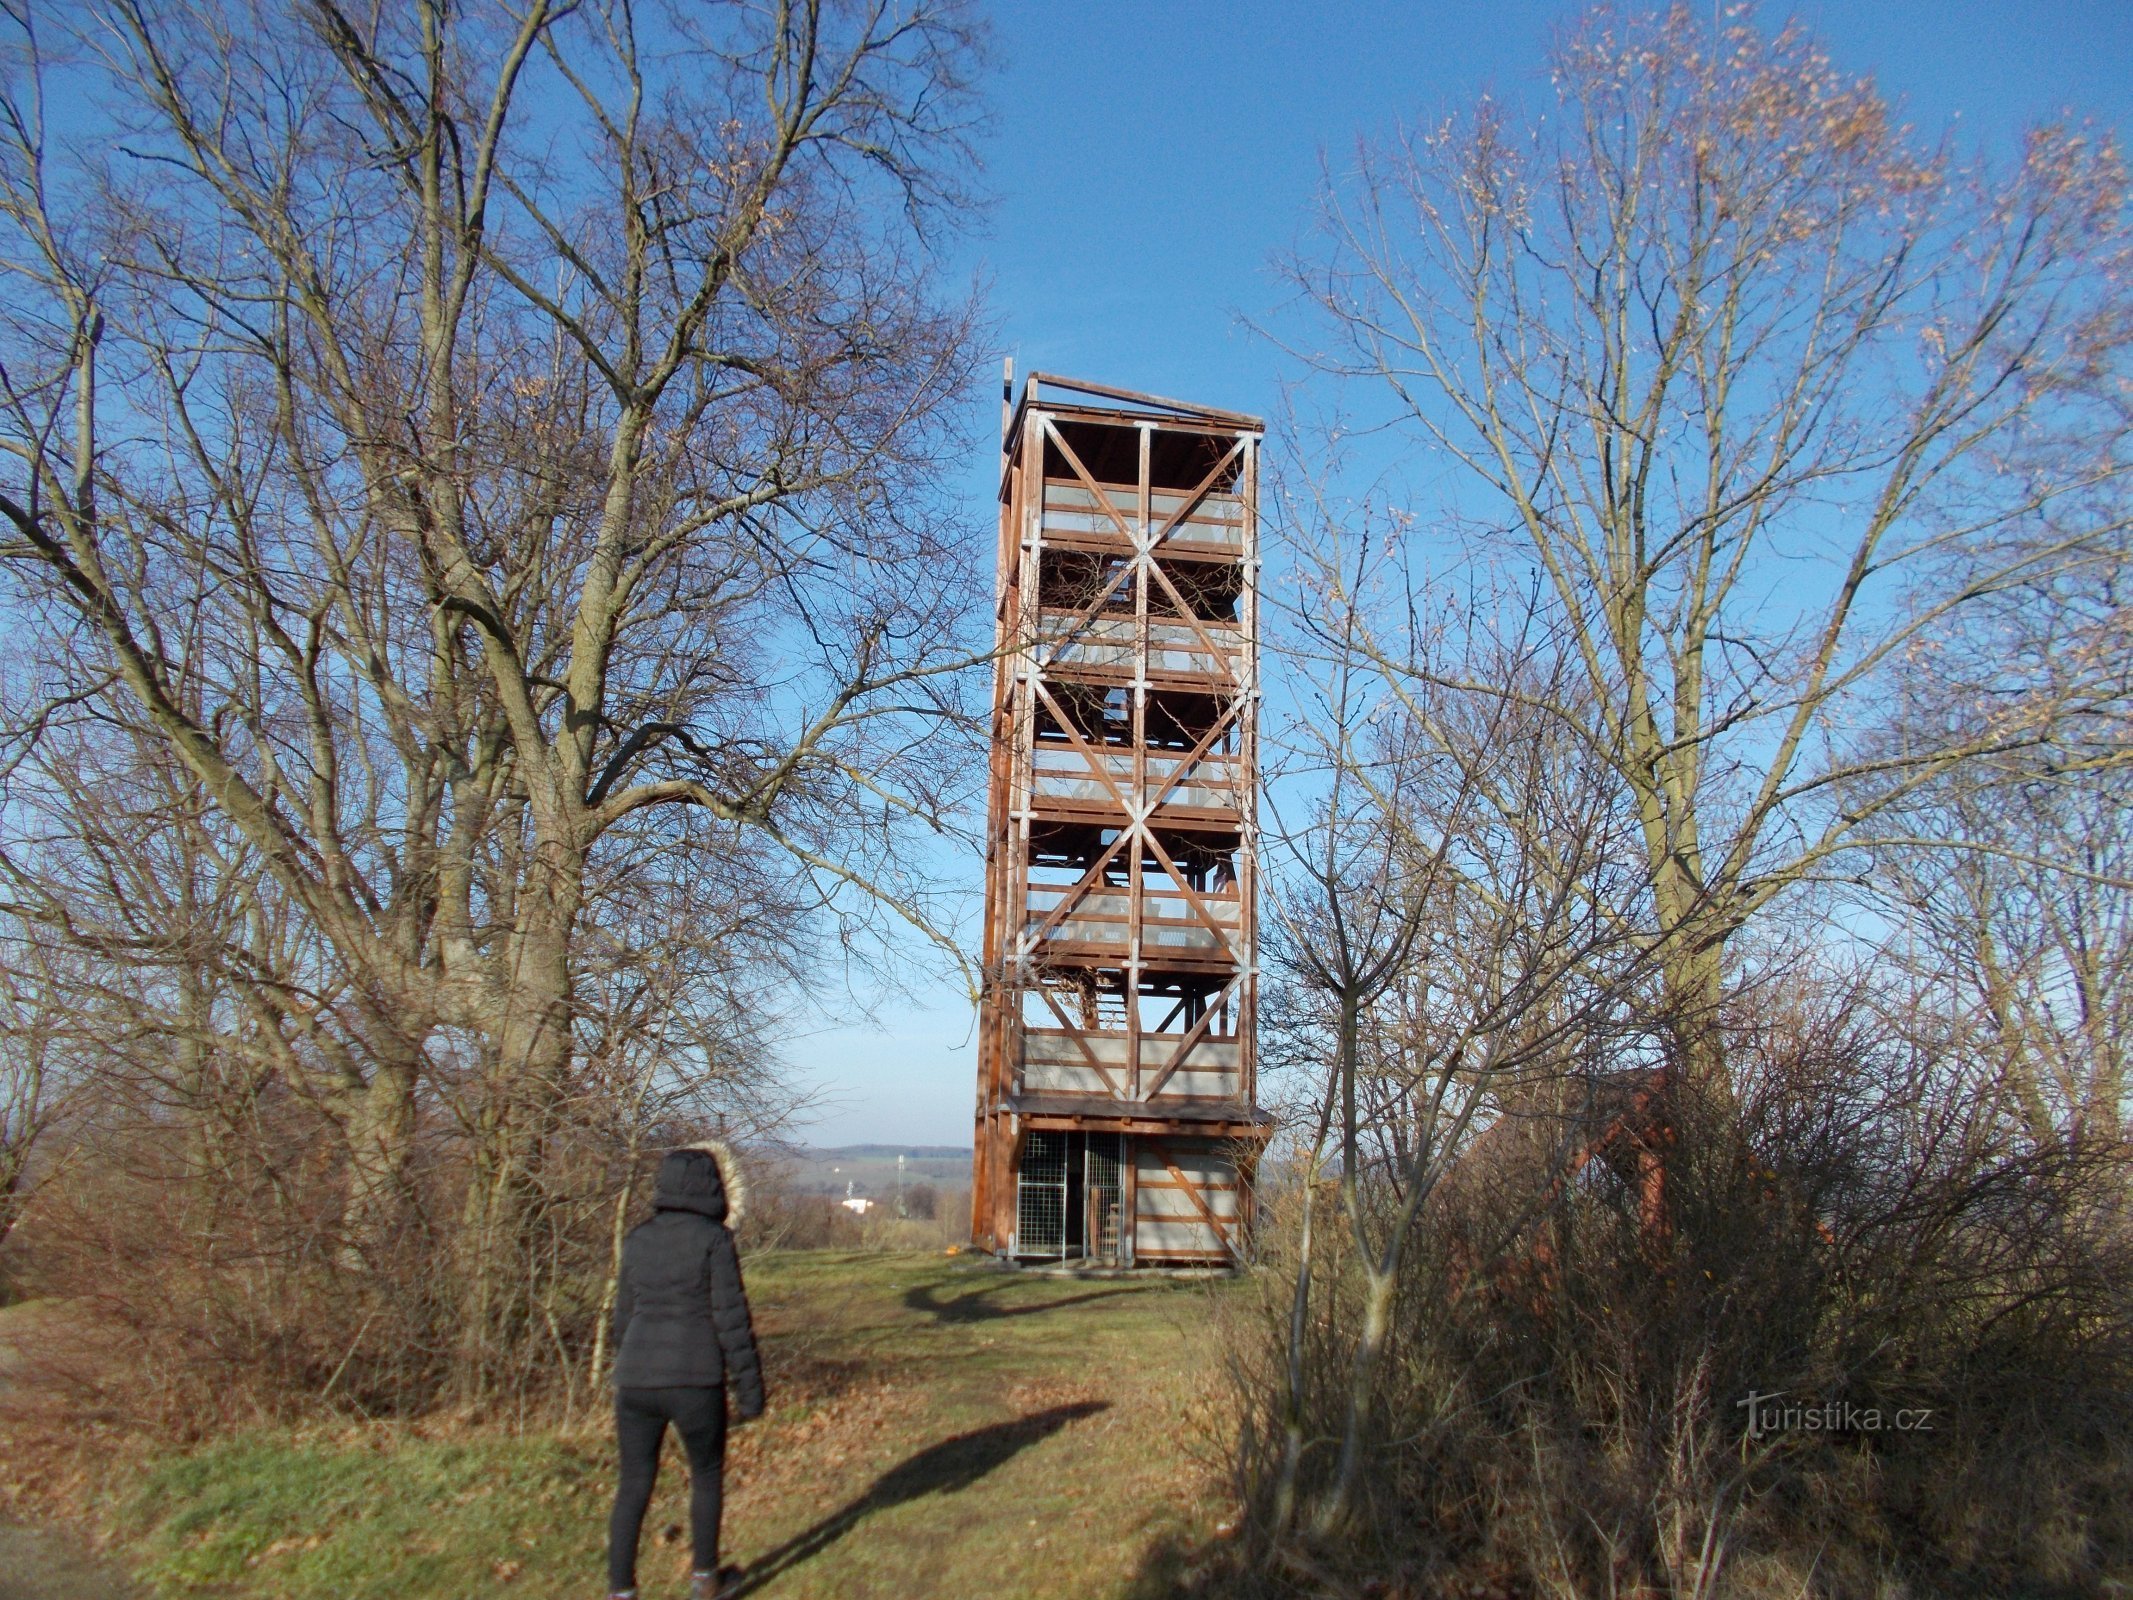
(527, 1084)
(380, 1124)
(612, 1287)
(1694, 990)
(1334, 1512)
(1292, 1400)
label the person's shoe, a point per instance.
(713, 1585)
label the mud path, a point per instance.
(36, 1565)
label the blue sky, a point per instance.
(1148, 161)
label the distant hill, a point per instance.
(871, 1169)
(892, 1151)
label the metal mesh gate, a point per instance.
(1069, 1195)
(1040, 1196)
(1105, 1188)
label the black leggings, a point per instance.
(641, 1418)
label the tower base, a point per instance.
(1105, 1199)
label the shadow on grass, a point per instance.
(976, 1307)
(943, 1468)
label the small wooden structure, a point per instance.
(1116, 1118)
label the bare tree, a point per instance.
(2008, 877)
(1761, 427)
(1765, 396)
(479, 445)
(2015, 898)
(1447, 924)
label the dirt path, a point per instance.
(41, 1566)
(34, 1564)
(1002, 1434)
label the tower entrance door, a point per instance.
(1069, 1196)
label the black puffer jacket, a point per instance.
(681, 1314)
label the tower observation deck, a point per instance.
(1117, 1118)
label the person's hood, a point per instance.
(703, 1178)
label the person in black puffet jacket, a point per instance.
(683, 1345)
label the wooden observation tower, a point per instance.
(1117, 1118)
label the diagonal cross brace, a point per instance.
(1193, 1037)
(1192, 1193)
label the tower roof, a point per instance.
(1133, 402)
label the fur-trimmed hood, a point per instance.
(704, 1178)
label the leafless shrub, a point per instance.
(1891, 1348)
(782, 1217)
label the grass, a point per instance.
(938, 1427)
(258, 1516)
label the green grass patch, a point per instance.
(265, 1516)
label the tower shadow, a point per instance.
(955, 1463)
(976, 1306)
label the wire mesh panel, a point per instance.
(1105, 1187)
(1040, 1196)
